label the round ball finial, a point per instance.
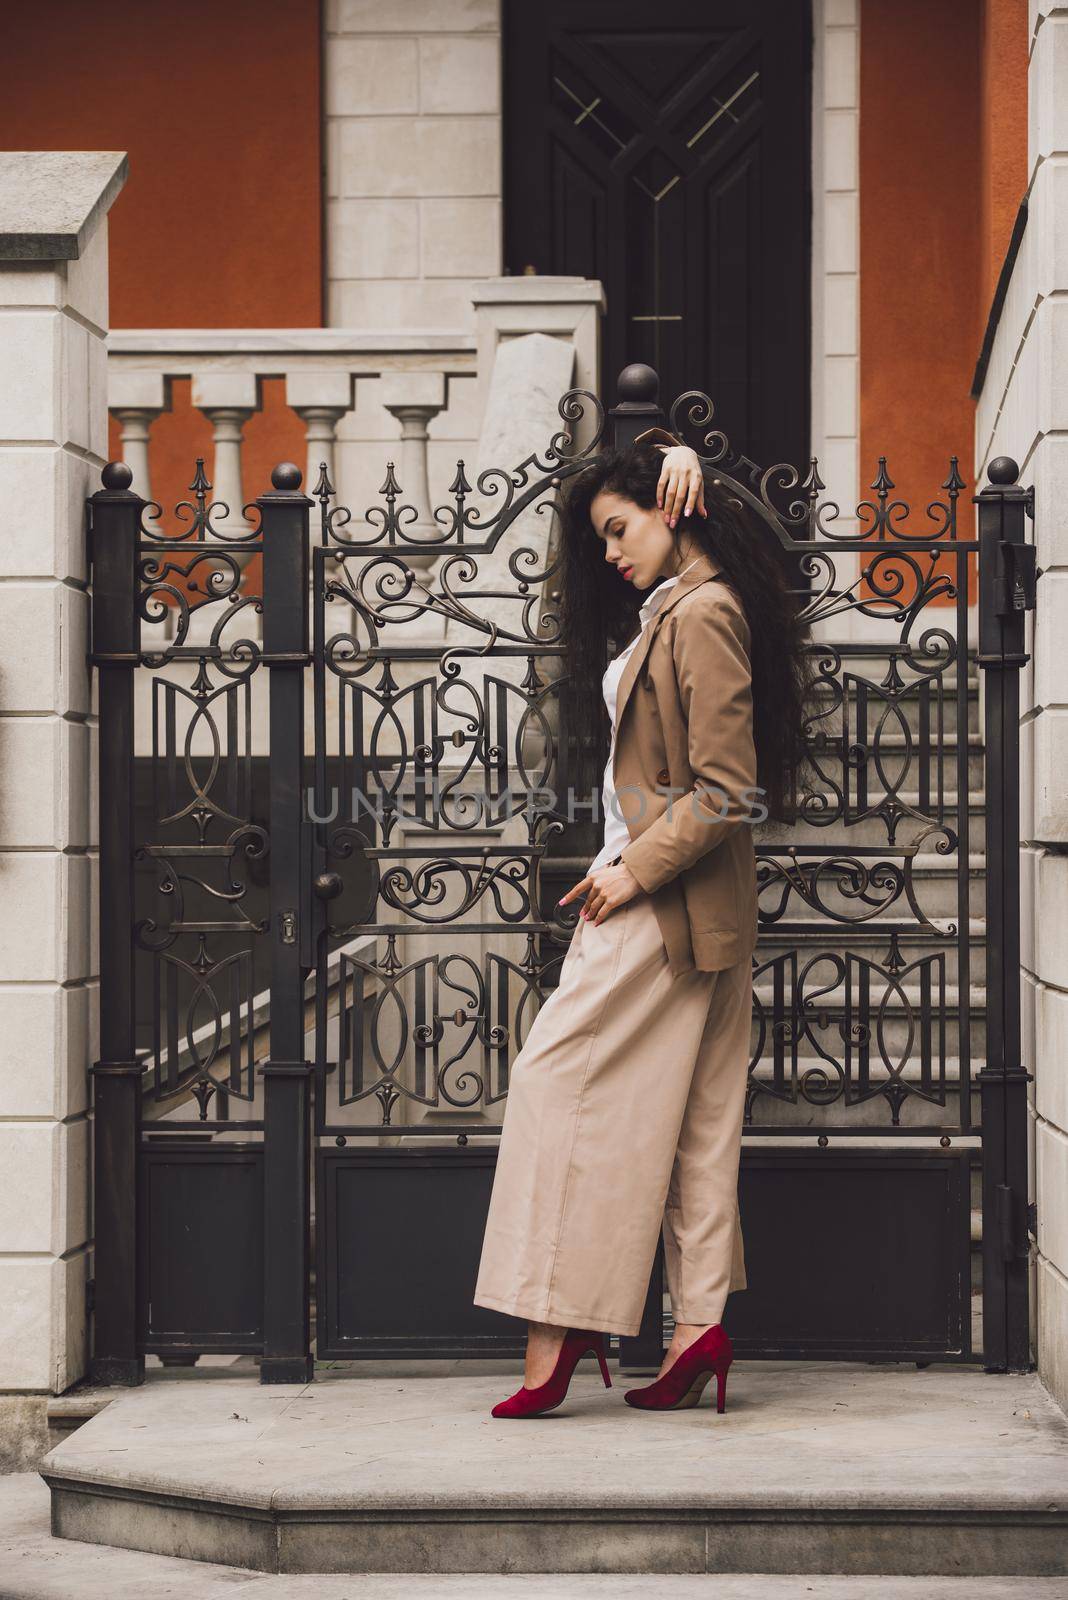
(638, 383)
(116, 475)
(1003, 470)
(287, 476)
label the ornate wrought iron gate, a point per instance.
(308, 971)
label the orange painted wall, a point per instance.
(217, 103)
(1003, 152)
(943, 135)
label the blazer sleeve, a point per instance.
(710, 649)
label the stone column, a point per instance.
(414, 398)
(227, 399)
(53, 424)
(1023, 412)
(136, 399)
(320, 400)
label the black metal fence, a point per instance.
(296, 987)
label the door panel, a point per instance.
(668, 154)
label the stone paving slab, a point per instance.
(35, 1566)
(811, 1433)
(815, 1466)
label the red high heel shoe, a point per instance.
(533, 1402)
(684, 1381)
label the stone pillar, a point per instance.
(1023, 412)
(1027, 383)
(570, 309)
(53, 424)
(414, 398)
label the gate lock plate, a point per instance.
(288, 926)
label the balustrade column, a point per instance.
(320, 400)
(414, 398)
(228, 399)
(135, 400)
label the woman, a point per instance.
(625, 1103)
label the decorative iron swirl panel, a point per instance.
(862, 991)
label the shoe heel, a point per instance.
(721, 1388)
(599, 1349)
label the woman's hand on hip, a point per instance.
(606, 889)
(681, 489)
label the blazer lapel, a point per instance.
(704, 568)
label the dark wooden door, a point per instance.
(665, 150)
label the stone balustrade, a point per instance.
(410, 376)
(321, 368)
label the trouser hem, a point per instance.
(693, 1317)
(529, 1311)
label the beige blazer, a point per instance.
(685, 772)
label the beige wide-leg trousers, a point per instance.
(623, 1118)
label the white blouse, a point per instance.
(616, 833)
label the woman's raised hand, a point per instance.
(681, 489)
(606, 888)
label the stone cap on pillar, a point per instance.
(524, 288)
(52, 201)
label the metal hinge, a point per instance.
(1032, 1219)
(1005, 1218)
(1017, 578)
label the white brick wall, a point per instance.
(413, 142)
(836, 264)
(1023, 412)
(53, 429)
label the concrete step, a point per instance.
(815, 1468)
(39, 1567)
(69, 1411)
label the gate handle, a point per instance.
(328, 885)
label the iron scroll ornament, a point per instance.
(881, 747)
(870, 769)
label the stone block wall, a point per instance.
(53, 418)
(1023, 412)
(413, 200)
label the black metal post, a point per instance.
(287, 1093)
(637, 408)
(1007, 577)
(115, 522)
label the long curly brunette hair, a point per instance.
(598, 609)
